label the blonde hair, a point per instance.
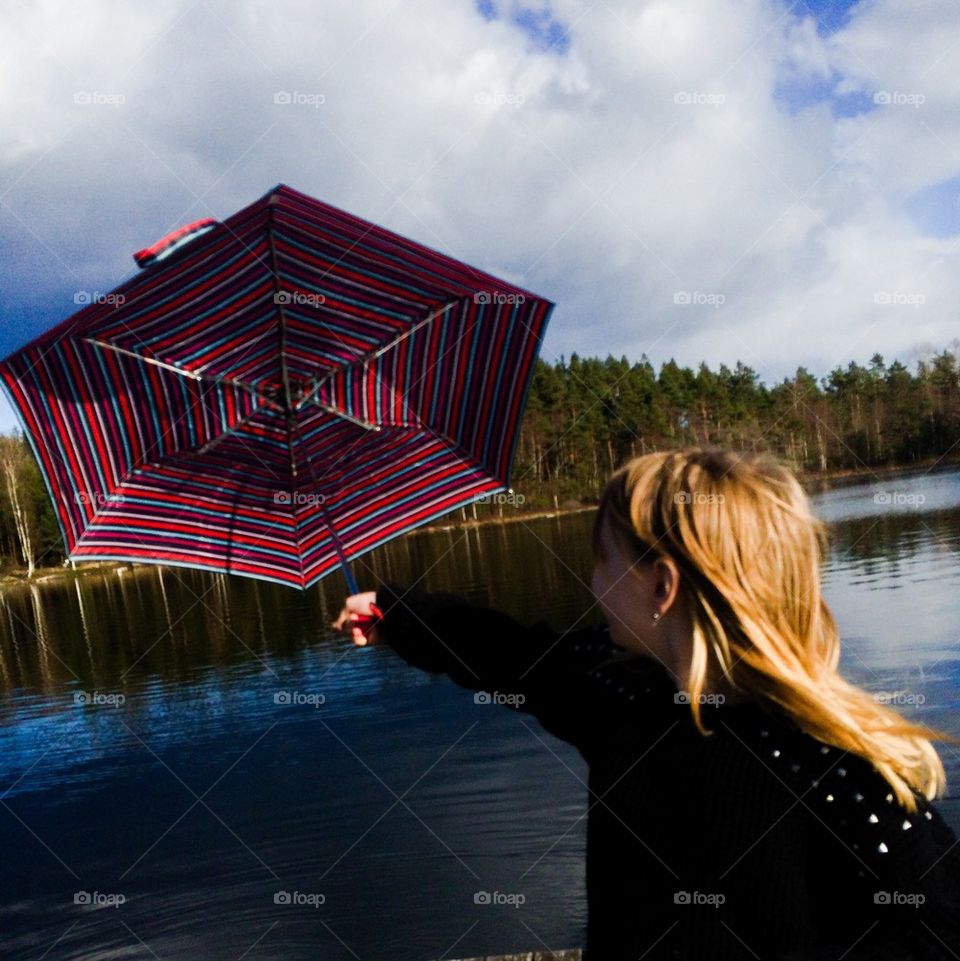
(749, 550)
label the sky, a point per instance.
(705, 180)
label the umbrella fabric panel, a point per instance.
(372, 256)
(210, 312)
(460, 377)
(88, 436)
(227, 510)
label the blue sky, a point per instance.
(611, 157)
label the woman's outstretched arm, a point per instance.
(534, 669)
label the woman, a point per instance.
(745, 800)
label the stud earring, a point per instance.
(656, 616)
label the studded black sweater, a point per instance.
(757, 841)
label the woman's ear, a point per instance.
(666, 582)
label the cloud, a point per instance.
(704, 180)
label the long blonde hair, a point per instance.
(749, 549)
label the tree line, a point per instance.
(585, 416)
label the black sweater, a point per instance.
(757, 841)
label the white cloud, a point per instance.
(580, 176)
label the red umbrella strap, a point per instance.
(173, 241)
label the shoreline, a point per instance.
(815, 481)
(812, 482)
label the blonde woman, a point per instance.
(745, 800)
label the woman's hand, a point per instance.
(358, 604)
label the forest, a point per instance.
(585, 416)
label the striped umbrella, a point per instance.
(276, 394)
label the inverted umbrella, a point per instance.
(276, 394)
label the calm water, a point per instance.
(143, 752)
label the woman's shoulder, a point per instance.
(848, 797)
(633, 680)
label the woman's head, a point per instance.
(727, 537)
(724, 547)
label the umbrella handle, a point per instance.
(365, 622)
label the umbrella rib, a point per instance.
(282, 347)
(457, 450)
(366, 358)
(184, 372)
(359, 421)
(147, 360)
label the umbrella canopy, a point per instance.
(277, 393)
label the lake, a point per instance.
(193, 765)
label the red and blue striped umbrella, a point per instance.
(277, 393)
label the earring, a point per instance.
(656, 616)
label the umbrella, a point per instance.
(276, 394)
